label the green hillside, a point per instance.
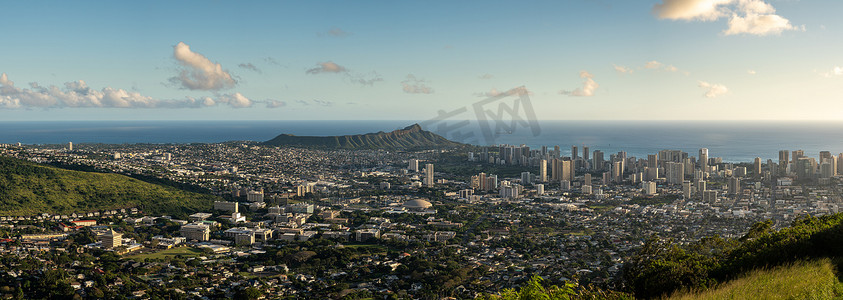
(411, 137)
(27, 188)
(801, 280)
(662, 267)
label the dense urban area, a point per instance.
(460, 222)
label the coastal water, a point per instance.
(734, 141)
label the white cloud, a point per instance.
(486, 76)
(653, 65)
(413, 85)
(198, 72)
(587, 89)
(713, 90)
(758, 25)
(754, 17)
(622, 69)
(275, 103)
(326, 67)
(77, 94)
(751, 72)
(235, 100)
(704, 10)
(836, 71)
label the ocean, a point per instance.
(734, 141)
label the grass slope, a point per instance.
(801, 280)
(27, 188)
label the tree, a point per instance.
(250, 293)
(534, 290)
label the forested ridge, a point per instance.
(28, 188)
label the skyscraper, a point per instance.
(428, 175)
(784, 160)
(414, 165)
(675, 173)
(686, 189)
(734, 185)
(783, 157)
(543, 170)
(598, 160)
(704, 159)
(567, 170)
(824, 155)
(756, 167)
(70, 146)
(574, 153)
(525, 178)
(796, 155)
(585, 152)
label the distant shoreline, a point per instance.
(735, 141)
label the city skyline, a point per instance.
(589, 60)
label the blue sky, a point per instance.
(592, 60)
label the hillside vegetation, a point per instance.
(801, 280)
(411, 137)
(28, 188)
(663, 267)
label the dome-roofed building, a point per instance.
(417, 205)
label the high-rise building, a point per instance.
(617, 171)
(805, 168)
(824, 155)
(652, 161)
(826, 169)
(734, 185)
(543, 170)
(686, 189)
(675, 172)
(587, 179)
(709, 196)
(414, 165)
(704, 159)
(525, 178)
(574, 152)
(598, 160)
(784, 160)
(649, 187)
(840, 163)
(428, 175)
(70, 146)
(567, 170)
(796, 154)
(540, 189)
(756, 167)
(585, 152)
